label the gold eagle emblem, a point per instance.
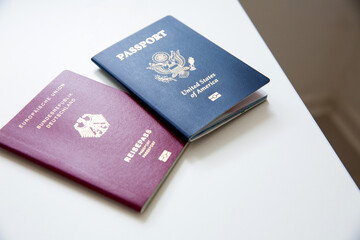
(171, 66)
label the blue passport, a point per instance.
(190, 82)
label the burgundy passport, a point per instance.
(96, 135)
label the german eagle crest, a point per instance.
(91, 125)
(171, 66)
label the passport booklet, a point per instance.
(189, 82)
(96, 135)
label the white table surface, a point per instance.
(270, 174)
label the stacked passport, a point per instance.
(182, 87)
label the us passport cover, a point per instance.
(185, 78)
(96, 135)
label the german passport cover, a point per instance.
(96, 135)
